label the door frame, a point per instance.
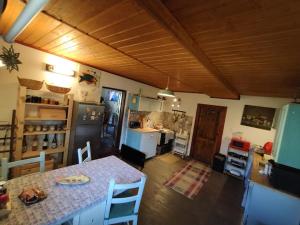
(220, 126)
(122, 110)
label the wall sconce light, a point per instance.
(60, 70)
(1, 63)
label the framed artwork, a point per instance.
(257, 116)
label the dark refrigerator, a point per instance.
(87, 123)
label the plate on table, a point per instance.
(73, 180)
(31, 196)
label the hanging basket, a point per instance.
(56, 89)
(31, 84)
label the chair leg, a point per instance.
(105, 222)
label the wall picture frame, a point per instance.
(258, 117)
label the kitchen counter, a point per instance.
(255, 175)
(143, 140)
(260, 195)
(144, 130)
(261, 178)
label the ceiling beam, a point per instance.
(162, 14)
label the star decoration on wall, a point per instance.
(10, 58)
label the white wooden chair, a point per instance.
(80, 153)
(123, 209)
(5, 165)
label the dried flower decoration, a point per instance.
(10, 58)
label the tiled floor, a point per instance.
(218, 202)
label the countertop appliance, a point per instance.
(239, 144)
(134, 124)
(87, 123)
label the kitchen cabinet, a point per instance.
(133, 102)
(141, 103)
(145, 142)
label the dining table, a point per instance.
(83, 204)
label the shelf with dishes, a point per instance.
(49, 151)
(44, 132)
(43, 119)
(43, 105)
(46, 127)
(43, 123)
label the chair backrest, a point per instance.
(121, 200)
(81, 151)
(5, 165)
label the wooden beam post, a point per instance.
(162, 14)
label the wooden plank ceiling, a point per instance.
(254, 43)
(251, 47)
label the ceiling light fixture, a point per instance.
(166, 92)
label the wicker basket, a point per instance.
(31, 84)
(56, 89)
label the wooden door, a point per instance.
(208, 132)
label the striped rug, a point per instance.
(190, 179)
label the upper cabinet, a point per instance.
(140, 103)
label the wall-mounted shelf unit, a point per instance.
(29, 142)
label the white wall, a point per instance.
(33, 67)
(233, 116)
